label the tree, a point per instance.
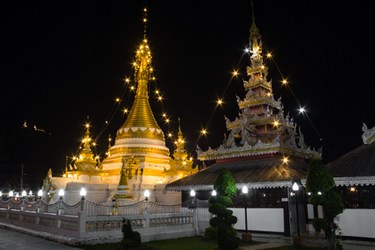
(320, 184)
(221, 225)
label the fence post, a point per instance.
(146, 213)
(81, 223)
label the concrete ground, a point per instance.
(13, 240)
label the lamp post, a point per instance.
(295, 188)
(83, 193)
(192, 195)
(244, 192)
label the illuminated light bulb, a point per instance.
(302, 110)
(276, 123)
(235, 73)
(106, 122)
(157, 92)
(247, 50)
(126, 111)
(169, 135)
(117, 99)
(167, 120)
(219, 102)
(154, 78)
(285, 160)
(284, 82)
(164, 115)
(268, 94)
(175, 142)
(109, 139)
(127, 80)
(134, 64)
(262, 67)
(144, 20)
(184, 163)
(160, 98)
(269, 55)
(203, 132)
(132, 87)
(94, 144)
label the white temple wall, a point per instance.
(260, 219)
(357, 222)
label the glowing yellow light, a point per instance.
(352, 189)
(145, 10)
(144, 20)
(175, 142)
(285, 160)
(126, 110)
(276, 123)
(154, 78)
(184, 162)
(269, 55)
(203, 132)
(167, 120)
(134, 64)
(164, 115)
(268, 94)
(191, 158)
(160, 98)
(87, 125)
(106, 122)
(235, 73)
(145, 40)
(262, 67)
(219, 102)
(284, 82)
(157, 92)
(127, 80)
(169, 135)
(132, 87)
(117, 99)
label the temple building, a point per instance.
(138, 160)
(263, 148)
(354, 173)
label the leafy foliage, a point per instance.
(320, 180)
(221, 228)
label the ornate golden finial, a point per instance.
(144, 22)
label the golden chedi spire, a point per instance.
(140, 136)
(86, 159)
(141, 122)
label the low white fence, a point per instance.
(87, 222)
(357, 222)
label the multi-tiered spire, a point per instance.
(261, 127)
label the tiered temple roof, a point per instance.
(262, 147)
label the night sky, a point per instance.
(62, 61)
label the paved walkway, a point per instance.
(12, 240)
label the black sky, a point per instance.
(62, 61)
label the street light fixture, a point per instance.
(295, 188)
(192, 195)
(10, 194)
(146, 193)
(83, 193)
(214, 193)
(245, 190)
(61, 193)
(40, 193)
(23, 194)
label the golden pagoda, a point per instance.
(140, 142)
(86, 163)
